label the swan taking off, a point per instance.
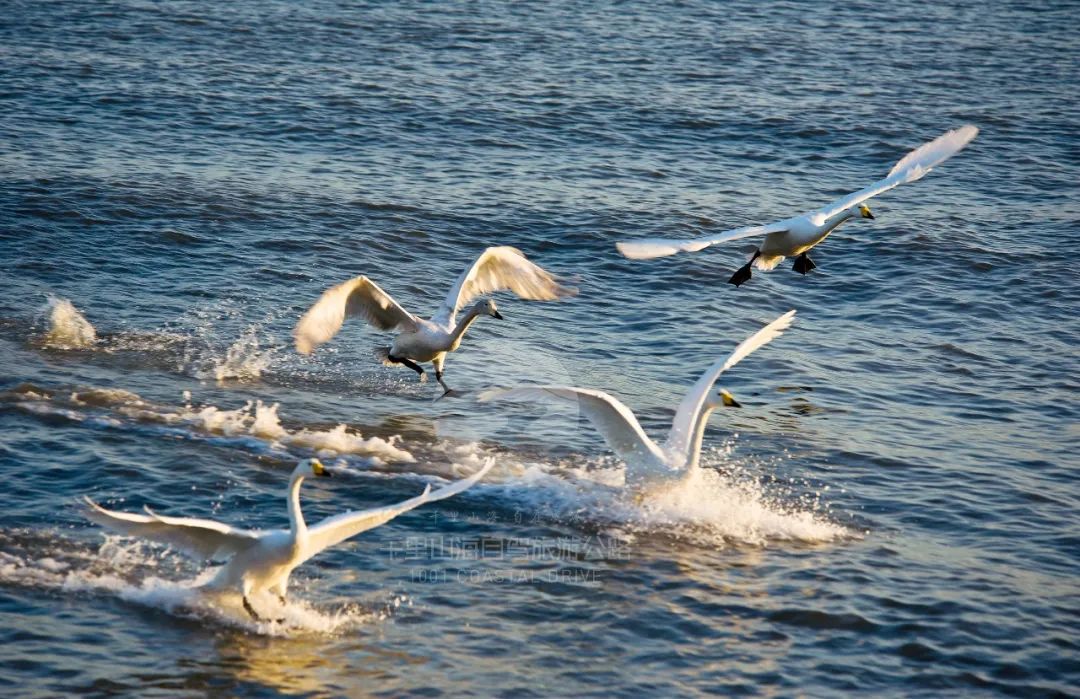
(794, 236)
(648, 464)
(261, 560)
(419, 340)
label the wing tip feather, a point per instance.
(646, 249)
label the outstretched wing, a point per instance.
(690, 407)
(201, 539)
(647, 248)
(910, 168)
(357, 297)
(499, 269)
(612, 419)
(334, 530)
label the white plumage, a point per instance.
(261, 560)
(419, 340)
(648, 464)
(794, 236)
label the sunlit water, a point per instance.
(893, 510)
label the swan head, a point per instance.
(862, 211)
(311, 468)
(723, 399)
(488, 307)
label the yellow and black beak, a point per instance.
(865, 210)
(319, 470)
(496, 315)
(729, 400)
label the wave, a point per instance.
(725, 502)
(254, 424)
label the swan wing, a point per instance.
(334, 530)
(201, 539)
(501, 269)
(611, 418)
(647, 248)
(357, 297)
(910, 168)
(690, 407)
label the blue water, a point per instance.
(892, 512)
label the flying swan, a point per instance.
(419, 340)
(261, 560)
(794, 236)
(649, 465)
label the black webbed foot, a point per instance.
(741, 276)
(803, 264)
(452, 393)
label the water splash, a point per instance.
(244, 360)
(68, 329)
(723, 503)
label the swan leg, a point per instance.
(438, 377)
(438, 364)
(803, 264)
(409, 363)
(742, 275)
(251, 610)
(255, 616)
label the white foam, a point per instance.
(255, 421)
(266, 423)
(339, 440)
(262, 421)
(68, 329)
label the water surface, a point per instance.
(892, 512)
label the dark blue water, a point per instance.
(893, 511)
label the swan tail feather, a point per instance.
(767, 262)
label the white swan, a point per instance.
(419, 340)
(648, 464)
(794, 236)
(261, 561)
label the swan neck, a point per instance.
(694, 455)
(837, 219)
(468, 320)
(296, 517)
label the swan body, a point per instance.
(650, 465)
(260, 561)
(792, 237)
(422, 340)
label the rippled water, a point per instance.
(892, 511)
